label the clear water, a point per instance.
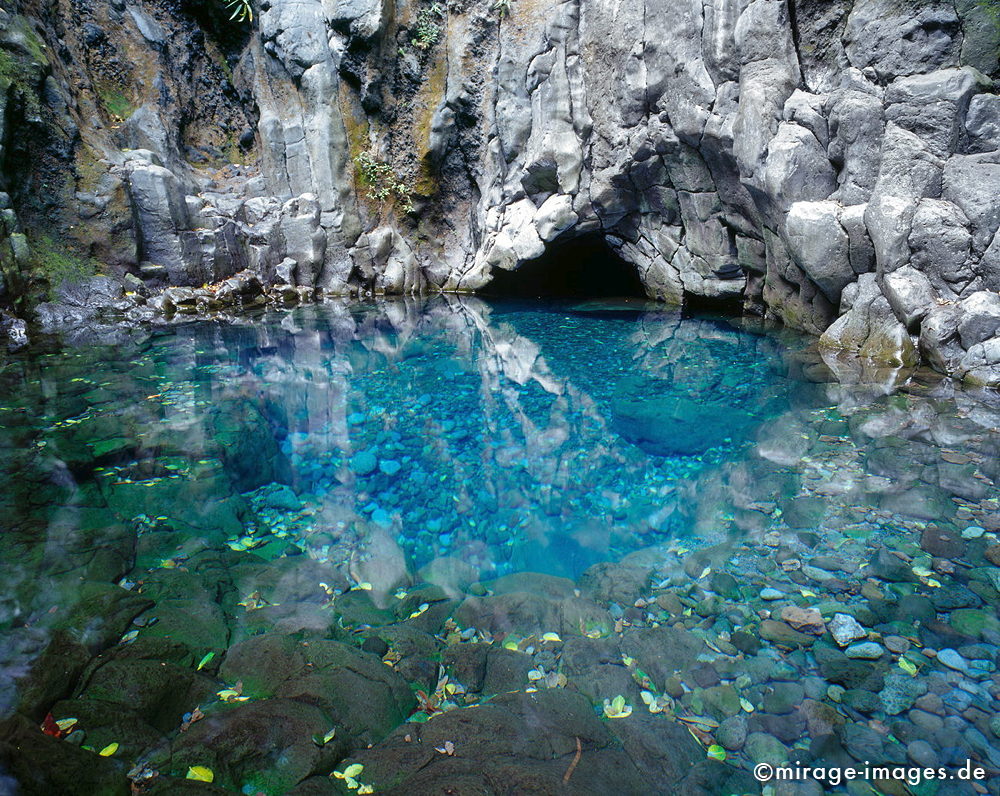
(454, 441)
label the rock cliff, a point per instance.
(845, 155)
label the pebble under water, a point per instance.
(450, 546)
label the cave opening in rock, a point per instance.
(581, 267)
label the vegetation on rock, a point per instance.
(382, 182)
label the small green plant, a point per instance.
(382, 181)
(502, 7)
(242, 11)
(427, 29)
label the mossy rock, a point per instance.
(197, 624)
(365, 698)
(159, 692)
(110, 722)
(262, 746)
(43, 765)
(102, 613)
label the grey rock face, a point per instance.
(846, 156)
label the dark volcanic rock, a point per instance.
(525, 743)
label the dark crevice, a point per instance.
(583, 267)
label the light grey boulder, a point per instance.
(869, 328)
(981, 364)
(304, 239)
(902, 39)
(820, 246)
(939, 343)
(910, 294)
(973, 183)
(161, 213)
(940, 244)
(554, 217)
(797, 168)
(932, 106)
(980, 318)
(856, 125)
(982, 123)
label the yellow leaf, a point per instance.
(746, 704)
(907, 667)
(205, 661)
(66, 724)
(552, 637)
(201, 773)
(423, 607)
(108, 750)
(353, 770)
(363, 586)
(616, 708)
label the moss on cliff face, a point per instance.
(52, 264)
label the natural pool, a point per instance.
(266, 549)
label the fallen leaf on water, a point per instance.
(551, 637)
(656, 704)
(617, 708)
(234, 694)
(447, 749)
(420, 609)
(907, 667)
(205, 661)
(716, 752)
(51, 727)
(66, 724)
(363, 586)
(350, 775)
(746, 704)
(201, 773)
(701, 722)
(109, 750)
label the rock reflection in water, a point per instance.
(708, 496)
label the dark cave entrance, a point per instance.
(582, 267)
